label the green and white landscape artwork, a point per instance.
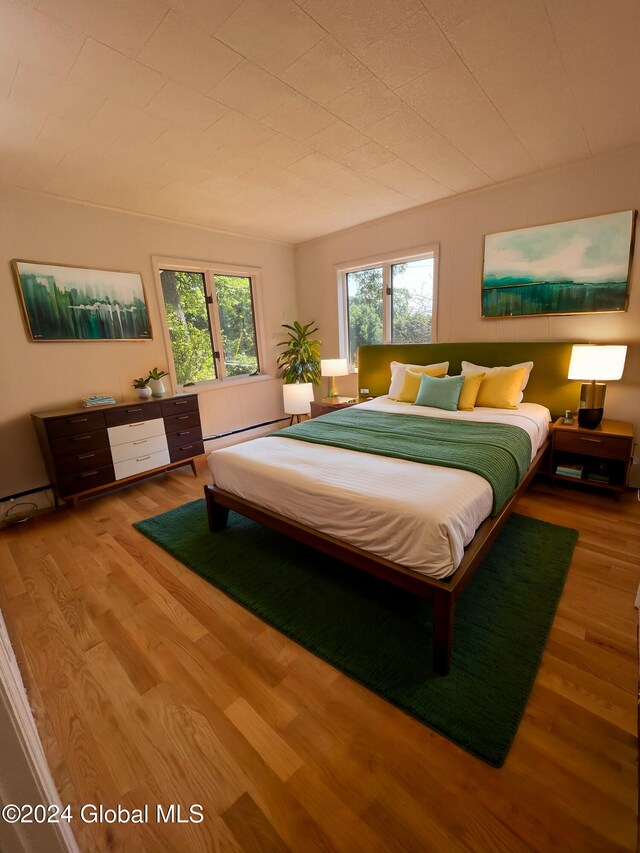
(573, 267)
(73, 304)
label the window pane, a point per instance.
(412, 301)
(188, 321)
(364, 295)
(235, 309)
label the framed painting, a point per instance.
(577, 267)
(67, 303)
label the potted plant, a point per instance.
(142, 386)
(300, 365)
(300, 361)
(155, 381)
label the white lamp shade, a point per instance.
(595, 362)
(334, 367)
(297, 398)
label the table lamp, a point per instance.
(333, 367)
(593, 364)
(297, 399)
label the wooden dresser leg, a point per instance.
(442, 632)
(193, 467)
(216, 514)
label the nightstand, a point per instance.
(597, 457)
(331, 404)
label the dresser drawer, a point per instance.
(86, 480)
(132, 432)
(606, 446)
(184, 436)
(87, 461)
(133, 414)
(144, 462)
(73, 424)
(73, 445)
(186, 451)
(139, 447)
(177, 405)
(175, 423)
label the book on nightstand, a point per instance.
(598, 478)
(570, 471)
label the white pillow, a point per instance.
(398, 370)
(469, 367)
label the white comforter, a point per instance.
(421, 516)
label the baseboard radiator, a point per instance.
(231, 432)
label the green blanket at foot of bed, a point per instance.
(498, 452)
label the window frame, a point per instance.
(386, 261)
(209, 269)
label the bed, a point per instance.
(422, 527)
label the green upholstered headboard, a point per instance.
(547, 385)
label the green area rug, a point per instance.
(380, 635)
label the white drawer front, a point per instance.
(132, 432)
(138, 464)
(138, 447)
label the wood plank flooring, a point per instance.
(148, 685)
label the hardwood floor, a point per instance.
(150, 686)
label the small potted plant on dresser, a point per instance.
(155, 382)
(142, 387)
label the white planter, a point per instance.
(157, 387)
(143, 392)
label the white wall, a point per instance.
(600, 185)
(41, 376)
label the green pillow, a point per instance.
(440, 393)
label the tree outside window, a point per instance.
(390, 303)
(211, 322)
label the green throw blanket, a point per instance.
(498, 452)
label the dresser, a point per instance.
(87, 450)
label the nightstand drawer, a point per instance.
(606, 446)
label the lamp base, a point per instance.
(589, 418)
(592, 395)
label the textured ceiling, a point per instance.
(291, 119)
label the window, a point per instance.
(389, 302)
(211, 319)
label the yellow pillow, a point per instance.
(469, 393)
(501, 390)
(411, 382)
(398, 369)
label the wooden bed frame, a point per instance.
(443, 593)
